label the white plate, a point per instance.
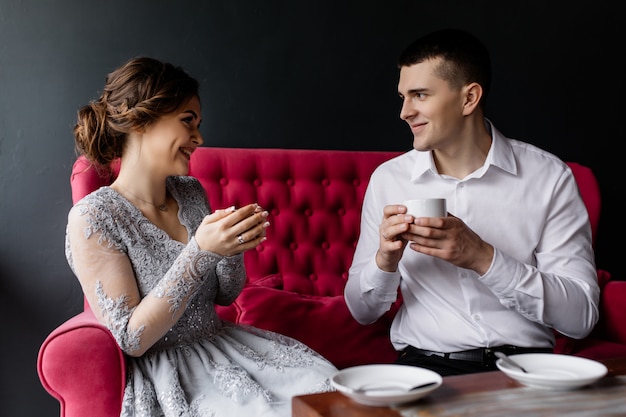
(385, 384)
(553, 371)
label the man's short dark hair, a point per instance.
(465, 58)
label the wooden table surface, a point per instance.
(484, 394)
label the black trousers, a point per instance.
(484, 361)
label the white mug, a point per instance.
(427, 207)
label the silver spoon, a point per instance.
(510, 361)
(366, 388)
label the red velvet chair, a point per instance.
(296, 277)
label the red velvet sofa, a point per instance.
(296, 277)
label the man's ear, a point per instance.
(472, 92)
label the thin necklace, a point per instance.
(161, 207)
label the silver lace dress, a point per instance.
(202, 366)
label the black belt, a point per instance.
(482, 355)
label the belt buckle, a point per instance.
(487, 355)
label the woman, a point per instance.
(153, 260)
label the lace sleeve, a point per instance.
(186, 276)
(231, 275)
(108, 280)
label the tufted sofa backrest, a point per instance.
(314, 198)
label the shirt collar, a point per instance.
(501, 152)
(500, 155)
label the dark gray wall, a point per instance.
(295, 74)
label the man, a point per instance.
(513, 258)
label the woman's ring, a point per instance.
(240, 239)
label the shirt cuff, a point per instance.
(384, 283)
(500, 277)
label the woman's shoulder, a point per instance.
(102, 203)
(102, 197)
(104, 212)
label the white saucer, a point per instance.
(385, 384)
(553, 371)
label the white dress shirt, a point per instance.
(525, 202)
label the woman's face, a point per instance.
(169, 142)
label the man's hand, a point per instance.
(395, 223)
(450, 239)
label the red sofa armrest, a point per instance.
(81, 365)
(613, 311)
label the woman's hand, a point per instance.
(232, 231)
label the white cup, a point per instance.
(426, 207)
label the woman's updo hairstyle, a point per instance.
(134, 96)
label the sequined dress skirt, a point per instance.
(238, 371)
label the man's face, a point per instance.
(432, 109)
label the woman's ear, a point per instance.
(138, 130)
(473, 92)
(135, 135)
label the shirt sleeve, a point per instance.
(561, 289)
(370, 291)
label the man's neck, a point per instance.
(465, 156)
